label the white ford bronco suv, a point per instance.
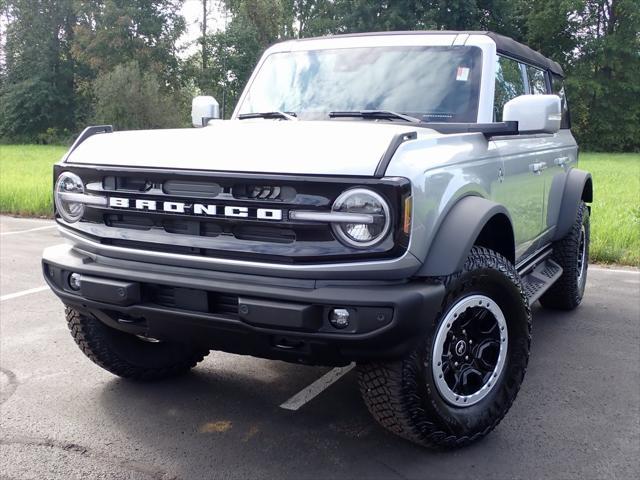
(396, 200)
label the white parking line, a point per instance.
(309, 393)
(22, 293)
(28, 230)
(613, 270)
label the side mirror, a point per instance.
(203, 109)
(534, 113)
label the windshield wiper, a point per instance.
(375, 114)
(269, 115)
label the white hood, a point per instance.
(263, 146)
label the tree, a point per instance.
(313, 17)
(551, 27)
(54, 49)
(129, 98)
(598, 44)
(603, 78)
(38, 80)
(233, 53)
(58, 53)
(113, 32)
(368, 16)
(203, 38)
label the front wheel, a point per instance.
(463, 376)
(127, 355)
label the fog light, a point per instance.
(339, 318)
(74, 281)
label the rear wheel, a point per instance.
(572, 254)
(463, 376)
(127, 355)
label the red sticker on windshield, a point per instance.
(462, 75)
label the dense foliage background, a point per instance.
(68, 63)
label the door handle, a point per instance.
(538, 167)
(561, 161)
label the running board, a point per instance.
(540, 278)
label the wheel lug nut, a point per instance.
(455, 364)
(466, 357)
(470, 342)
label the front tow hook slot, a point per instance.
(288, 343)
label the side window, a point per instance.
(509, 84)
(537, 84)
(557, 87)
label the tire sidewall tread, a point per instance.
(99, 343)
(567, 293)
(401, 394)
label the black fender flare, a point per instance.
(578, 187)
(457, 234)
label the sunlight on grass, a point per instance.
(26, 175)
(615, 213)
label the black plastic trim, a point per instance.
(528, 264)
(397, 140)
(578, 187)
(518, 51)
(457, 234)
(86, 133)
(289, 323)
(487, 129)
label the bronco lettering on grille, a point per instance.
(229, 211)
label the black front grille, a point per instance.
(252, 237)
(203, 228)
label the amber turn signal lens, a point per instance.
(406, 224)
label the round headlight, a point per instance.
(68, 183)
(362, 201)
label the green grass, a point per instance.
(615, 213)
(26, 176)
(26, 181)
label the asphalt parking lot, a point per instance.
(577, 415)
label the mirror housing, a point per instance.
(203, 109)
(534, 113)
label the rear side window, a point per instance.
(557, 87)
(537, 83)
(509, 84)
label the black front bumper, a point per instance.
(267, 317)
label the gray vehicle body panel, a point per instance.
(496, 170)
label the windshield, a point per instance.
(434, 84)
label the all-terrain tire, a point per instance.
(402, 394)
(127, 355)
(572, 254)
